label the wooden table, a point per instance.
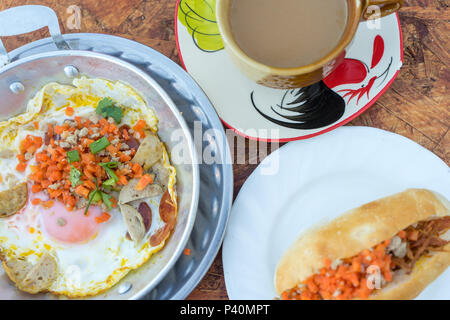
(416, 106)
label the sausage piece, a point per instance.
(167, 212)
(149, 151)
(146, 213)
(12, 200)
(134, 222)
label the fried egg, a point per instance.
(91, 256)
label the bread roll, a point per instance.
(363, 228)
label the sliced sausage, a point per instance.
(32, 278)
(167, 209)
(132, 142)
(134, 222)
(146, 213)
(41, 275)
(162, 174)
(149, 152)
(168, 213)
(160, 235)
(12, 200)
(129, 192)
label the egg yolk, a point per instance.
(70, 226)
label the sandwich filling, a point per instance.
(372, 269)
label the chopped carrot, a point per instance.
(143, 182)
(413, 235)
(21, 158)
(402, 234)
(78, 121)
(124, 158)
(187, 252)
(54, 193)
(55, 176)
(69, 111)
(141, 124)
(58, 129)
(112, 149)
(50, 130)
(82, 191)
(89, 184)
(137, 170)
(36, 188)
(48, 204)
(139, 128)
(114, 202)
(125, 134)
(36, 201)
(123, 180)
(103, 218)
(41, 157)
(350, 277)
(36, 125)
(21, 167)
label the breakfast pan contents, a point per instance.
(87, 192)
(390, 248)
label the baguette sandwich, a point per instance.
(391, 248)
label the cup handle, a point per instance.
(374, 9)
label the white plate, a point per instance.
(316, 181)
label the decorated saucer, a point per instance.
(371, 64)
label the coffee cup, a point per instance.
(304, 74)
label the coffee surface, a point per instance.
(288, 33)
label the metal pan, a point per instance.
(21, 78)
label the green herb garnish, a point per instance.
(106, 198)
(73, 156)
(111, 164)
(75, 176)
(107, 108)
(97, 195)
(113, 178)
(99, 145)
(91, 197)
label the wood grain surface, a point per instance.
(416, 106)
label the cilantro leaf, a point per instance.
(107, 108)
(75, 176)
(105, 102)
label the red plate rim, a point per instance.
(335, 126)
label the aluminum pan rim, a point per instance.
(195, 170)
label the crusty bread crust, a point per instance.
(363, 228)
